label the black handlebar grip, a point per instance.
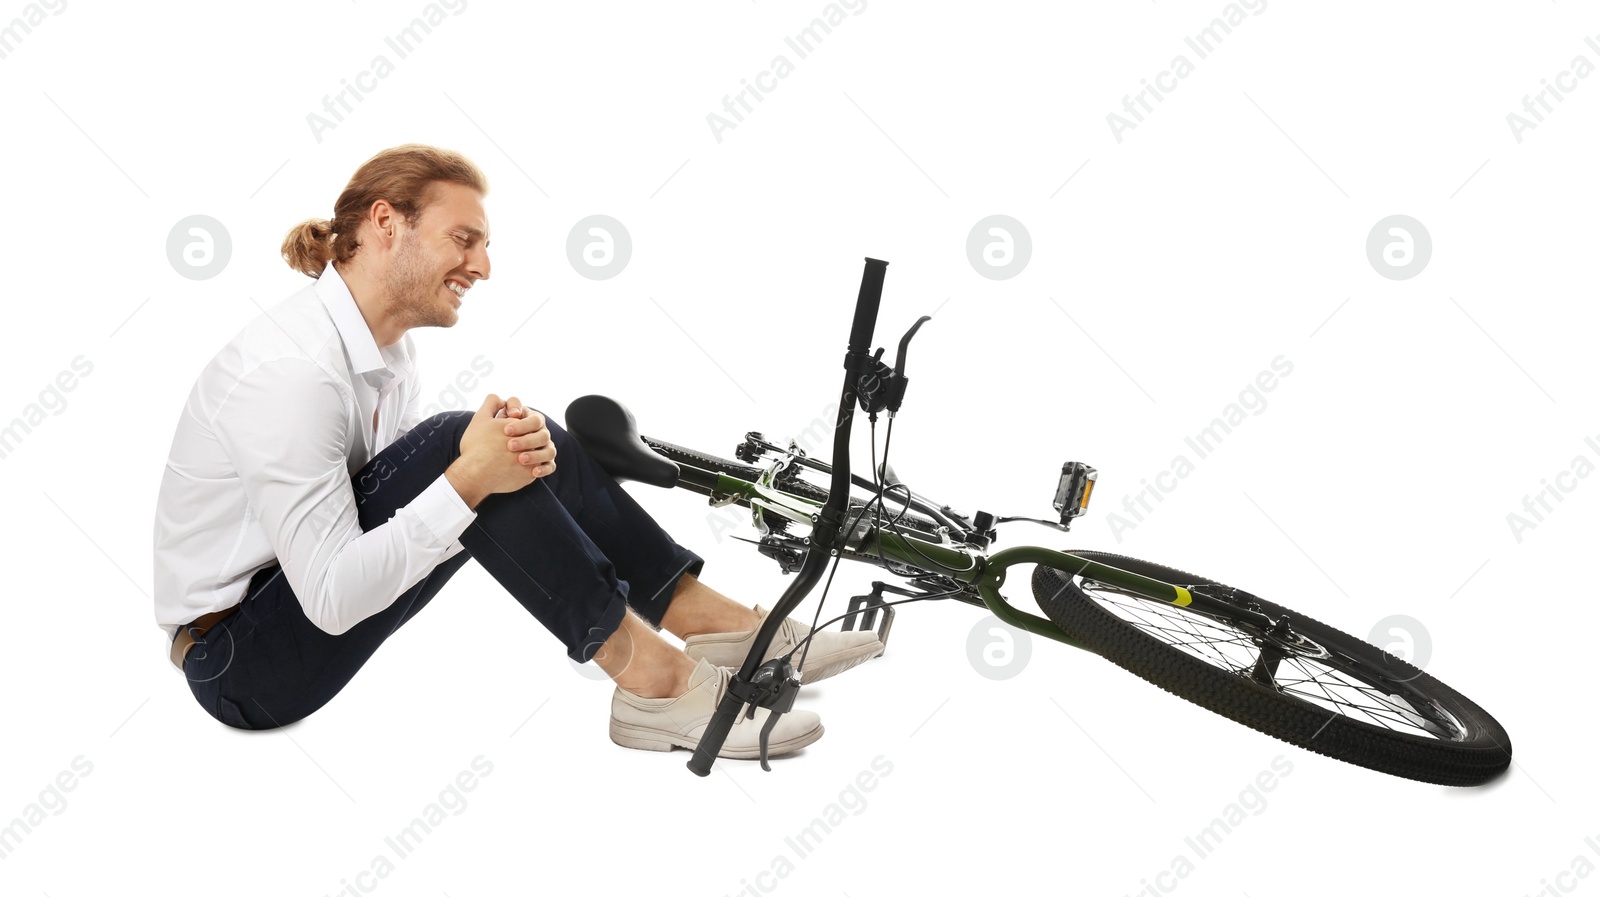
(716, 732)
(867, 305)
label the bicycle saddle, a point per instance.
(607, 431)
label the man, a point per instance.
(307, 510)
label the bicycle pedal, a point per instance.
(865, 609)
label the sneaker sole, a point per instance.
(640, 738)
(823, 668)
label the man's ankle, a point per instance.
(668, 685)
(751, 621)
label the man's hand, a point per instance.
(504, 448)
(526, 435)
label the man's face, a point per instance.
(449, 243)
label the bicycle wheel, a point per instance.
(1303, 682)
(794, 486)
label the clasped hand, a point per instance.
(526, 435)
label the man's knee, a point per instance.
(446, 425)
(452, 424)
(457, 418)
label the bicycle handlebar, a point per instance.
(824, 533)
(867, 305)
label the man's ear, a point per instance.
(383, 218)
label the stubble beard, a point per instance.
(413, 289)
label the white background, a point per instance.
(1168, 269)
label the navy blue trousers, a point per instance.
(572, 547)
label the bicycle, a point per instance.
(1225, 649)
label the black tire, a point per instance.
(1465, 747)
(911, 520)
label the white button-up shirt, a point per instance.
(261, 469)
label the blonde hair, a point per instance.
(404, 175)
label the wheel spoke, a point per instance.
(1323, 682)
(1206, 645)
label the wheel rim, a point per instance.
(1289, 662)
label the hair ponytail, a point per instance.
(308, 246)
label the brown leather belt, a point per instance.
(195, 630)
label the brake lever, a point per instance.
(900, 355)
(774, 686)
(887, 385)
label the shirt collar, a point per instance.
(375, 365)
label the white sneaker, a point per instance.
(830, 651)
(660, 724)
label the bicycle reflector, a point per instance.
(1072, 492)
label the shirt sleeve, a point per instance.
(284, 426)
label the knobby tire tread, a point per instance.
(1483, 755)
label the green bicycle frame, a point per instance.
(987, 573)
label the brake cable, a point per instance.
(876, 503)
